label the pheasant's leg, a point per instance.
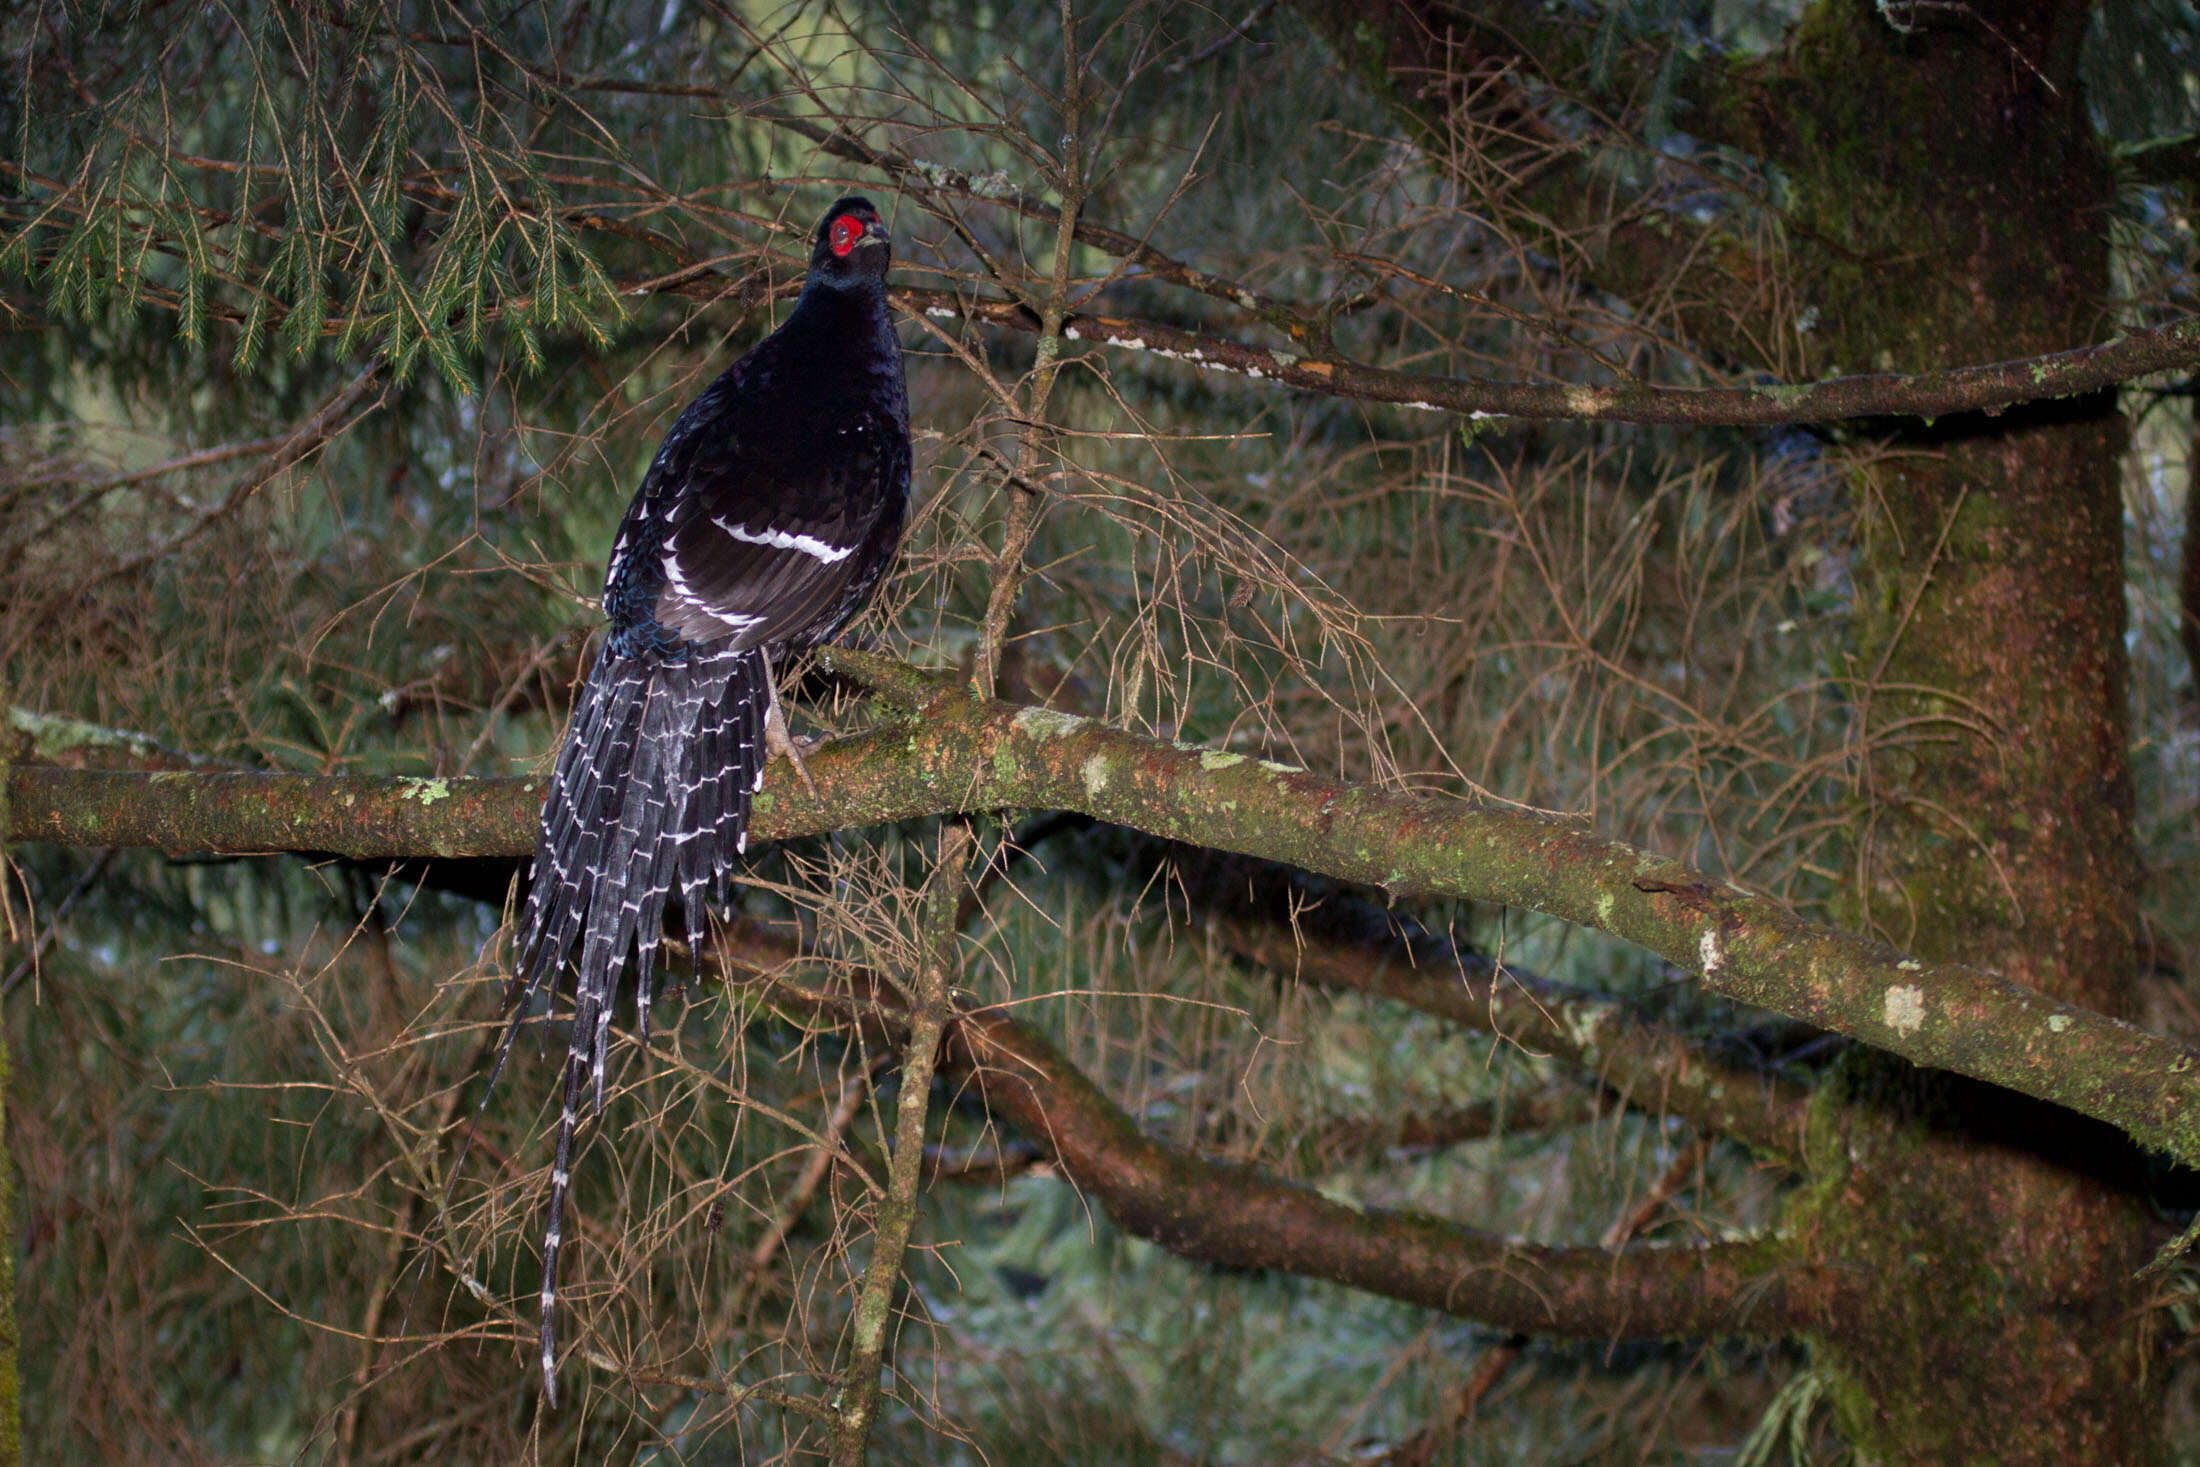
(776, 738)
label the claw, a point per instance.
(778, 741)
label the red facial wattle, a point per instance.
(847, 229)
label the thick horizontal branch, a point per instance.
(1987, 388)
(962, 754)
(1239, 1217)
(357, 816)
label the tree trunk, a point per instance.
(1955, 202)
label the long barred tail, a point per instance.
(651, 794)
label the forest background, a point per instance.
(1530, 791)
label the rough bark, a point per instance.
(1956, 169)
(1947, 203)
(2188, 601)
(11, 1429)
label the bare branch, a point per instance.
(1241, 1218)
(855, 1405)
(1988, 388)
(1645, 1064)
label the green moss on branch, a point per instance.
(966, 755)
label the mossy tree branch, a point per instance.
(1645, 1065)
(964, 754)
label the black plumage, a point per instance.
(765, 522)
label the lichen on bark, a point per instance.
(2000, 1319)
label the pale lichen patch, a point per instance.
(1904, 1009)
(426, 791)
(1710, 953)
(1584, 1022)
(1096, 774)
(994, 185)
(1045, 723)
(2056, 1023)
(1213, 759)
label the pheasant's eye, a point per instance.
(847, 229)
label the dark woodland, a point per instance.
(1528, 790)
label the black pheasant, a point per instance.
(765, 522)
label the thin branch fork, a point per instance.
(1421, 1448)
(1237, 1216)
(1645, 1064)
(962, 754)
(856, 1403)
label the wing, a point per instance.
(780, 529)
(774, 503)
(761, 567)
